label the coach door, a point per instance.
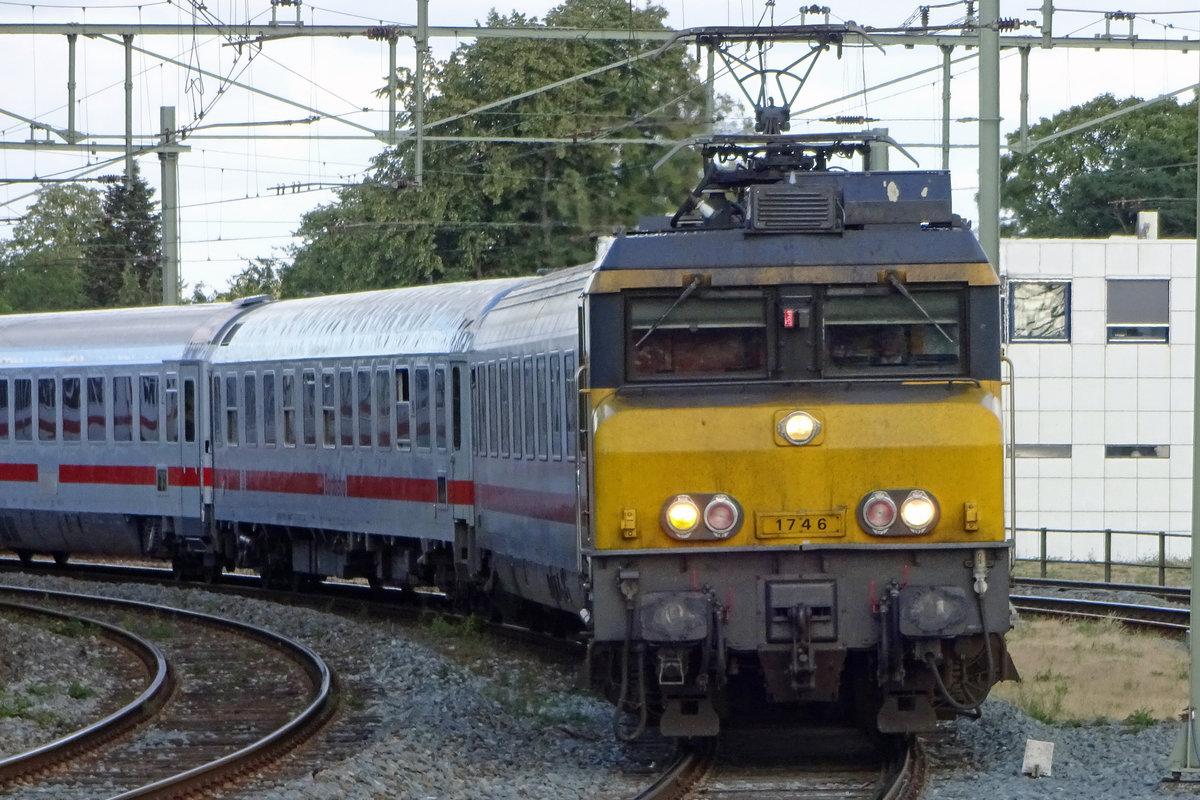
(184, 412)
(451, 461)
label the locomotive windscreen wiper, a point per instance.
(691, 287)
(899, 287)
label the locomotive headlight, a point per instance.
(721, 515)
(682, 515)
(878, 512)
(919, 511)
(799, 428)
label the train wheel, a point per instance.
(211, 574)
(60, 558)
(26, 556)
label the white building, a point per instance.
(1101, 334)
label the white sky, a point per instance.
(231, 212)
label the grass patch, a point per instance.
(524, 693)
(77, 691)
(1078, 673)
(463, 638)
(71, 628)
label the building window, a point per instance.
(1137, 451)
(1042, 451)
(1039, 311)
(1138, 310)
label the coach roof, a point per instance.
(441, 318)
(110, 336)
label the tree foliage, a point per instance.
(79, 248)
(488, 209)
(43, 265)
(1092, 183)
(125, 261)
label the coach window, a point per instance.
(3, 408)
(542, 387)
(96, 418)
(328, 409)
(346, 407)
(456, 408)
(309, 409)
(189, 410)
(421, 407)
(572, 400)
(494, 406)
(23, 409)
(268, 419)
(365, 421)
(439, 407)
(505, 403)
(231, 409)
(556, 406)
(383, 406)
(403, 409)
(218, 410)
(72, 407)
(171, 408)
(288, 401)
(530, 413)
(873, 332)
(702, 336)
(518, 413)
(475, 406)
(148, 415)
(250, 398)
(47, 409)
(122, 408)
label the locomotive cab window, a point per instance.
(701, 336)
(881, 332)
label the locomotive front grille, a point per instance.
(781, 208)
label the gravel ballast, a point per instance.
(429, 728)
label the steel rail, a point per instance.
(1181, 594)
(300, 726)
(158, 689)
(1162, 619)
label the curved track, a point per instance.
(242, 696)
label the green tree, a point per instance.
(489, 209)
(1092, 183)
(261, 276)
(126, 257)
(42, 267)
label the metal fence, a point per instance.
(1160, 538)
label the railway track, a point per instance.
(1174, 594)
(223, 697)
(1165, 620)
(839, 765)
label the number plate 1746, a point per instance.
(801, 525)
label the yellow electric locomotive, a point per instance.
(795, 452)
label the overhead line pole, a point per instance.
(989, 130)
